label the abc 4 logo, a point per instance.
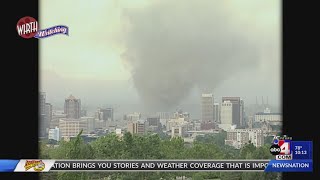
(282, 147)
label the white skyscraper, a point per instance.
(239, 137)
(54, 134)
(226, 115)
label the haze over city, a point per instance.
(159, 55)
(162, 79)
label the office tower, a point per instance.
(105, 114)
(72, 107)
(137, 127)
(163, 115)
(240, 137)
(54, 134)
(207, 121)
(216, 112)
(268, 116)
(72, 127)
(48, 112)
(153, 121)
(226, 113)
(91, 122)
(56, 116)
(42, 102)
(132, 117)
(242, 114)
(43, 123)
(236, 109)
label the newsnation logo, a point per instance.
(281, 148)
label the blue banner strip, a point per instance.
(60, 29)
(7, 165)
(300, 165)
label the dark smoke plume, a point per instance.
(175, 46)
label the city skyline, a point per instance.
(196, 109)
(178, 123)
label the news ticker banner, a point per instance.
(38, 165)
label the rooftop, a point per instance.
(264, 113)
(207, 95)
(71, 97)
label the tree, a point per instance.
(172, 149)
(153, 147)
(77, 149)
(262, 152)
(109, 147)
(248, 148)
(230, 175)
(217, 139)
(43, 151)
(268, 140)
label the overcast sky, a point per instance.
(160, 53)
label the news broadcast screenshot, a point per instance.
(159, 89)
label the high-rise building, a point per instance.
(46, 120)
(242, 114)
(42, 115)
(239, 137)
(100, 124)
(207, 110)
(104, 114)
(164, 117)
(54, 134)
(216, 112)
(226, 115)
(48, 112)
(42, 102)
(133, 117)
(72, 107)
(273, 118)
(91, 122)
(237, 109)
(72, 127)
(56, 116)
(137, 127)
(153, 121)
